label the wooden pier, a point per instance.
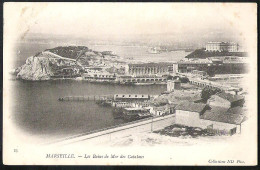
(86, 98)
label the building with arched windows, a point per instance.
(149, 69)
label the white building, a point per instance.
(222, 46)
(189, 113)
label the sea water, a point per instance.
(37, 111)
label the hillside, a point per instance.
(201, 53)
(70, 51)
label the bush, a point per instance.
(208, 92)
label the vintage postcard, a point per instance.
(130, 84)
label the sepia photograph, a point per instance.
(130, 83)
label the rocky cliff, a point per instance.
(36, 68)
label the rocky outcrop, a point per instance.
(36, 68)
(15, 71)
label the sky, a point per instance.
(117, 19)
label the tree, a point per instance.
(208, 92)
(184, 79)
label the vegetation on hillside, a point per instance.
(201, 53)
(69, 52)
(206, 93)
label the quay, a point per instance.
(86, 98)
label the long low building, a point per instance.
(140, 79)
(129, 97)
(149, 68)
(106, 77)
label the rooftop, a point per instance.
(190, 106)
(220, 114)
(134, 108)
(152, 64)
(230, 97)
(199, 61)
(131, 96)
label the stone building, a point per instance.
(222, 46)
(149, 69)
(131, 97)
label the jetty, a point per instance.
(86, 98)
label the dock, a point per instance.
(86, 98)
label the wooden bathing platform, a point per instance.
(86, 98)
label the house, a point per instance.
(161, 110)
(223, 120)
(225, 100)
(188, 113)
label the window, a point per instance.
(129, 95)
(123, 96)
(135, 95)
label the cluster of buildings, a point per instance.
(223, 113)
(137, 106)
(212, 65)
(144, 73)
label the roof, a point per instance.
(220, 114)
(190, 106)
(178, 96)
(236, 110)
(151, 64)
(134, 108)
(230, 97)
(131, 96)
